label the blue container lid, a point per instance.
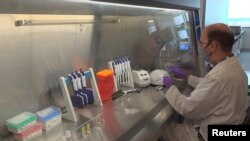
(48, 113)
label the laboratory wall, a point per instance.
(32, 58)
(216, 11)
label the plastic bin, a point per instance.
(29, 133)
(50, 117)
(106, 84)
(21, 122)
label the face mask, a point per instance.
(205, 56)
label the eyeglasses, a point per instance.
(207, 43)
(201, 42)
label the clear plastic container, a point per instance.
(50, 117)
(21, 122)
(29, 133)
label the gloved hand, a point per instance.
(167, 81)
(178, 72)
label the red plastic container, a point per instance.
(106, 84)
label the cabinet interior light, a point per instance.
(43, 22)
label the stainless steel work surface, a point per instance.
(135, 116)
(127, 116)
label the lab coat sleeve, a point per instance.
(193, 80)
(201, 102)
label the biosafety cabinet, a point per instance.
(42, 40)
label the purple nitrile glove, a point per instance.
(178, 72)
(167, 81)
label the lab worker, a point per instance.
(218, 98)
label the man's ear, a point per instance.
(214, 46)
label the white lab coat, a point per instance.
(218, 98)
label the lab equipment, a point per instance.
(80, 88)
(156, 77)
(122, 72)
(21, 122)
(117, 94)
(30, 133)
(120, 92)
(184, 46)
(106, 84)
(141, 78)
(66, 81)
(86, 132)
(134, 90)
(78, 100)
(236, 29)
(68, 135)
(85, 89)
(50, 117)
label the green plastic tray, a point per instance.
(20, 120)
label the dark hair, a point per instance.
(224, 38)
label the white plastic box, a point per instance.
(50, 117)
